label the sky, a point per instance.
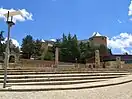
(49, 19)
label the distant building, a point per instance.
(46, 45)
(98, 40)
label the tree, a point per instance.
(69, 49)
(48, 56)
(109, 51)
(125, 53)
(2, 45)
(1, 36)
(86, 51)
(37, 48)
(28, 47)
(103, 50)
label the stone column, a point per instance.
(97, 59)
(118, 62)
(56, 56)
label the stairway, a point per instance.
(31, 80)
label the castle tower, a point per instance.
(98, 40)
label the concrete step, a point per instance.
(61, 75)
(57, 79)
(24, 73)
(56, 82)
(109, 82)
(34, 70)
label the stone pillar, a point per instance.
(56, 56)
(97, 59)
(118, 62)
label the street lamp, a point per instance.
(10, 23)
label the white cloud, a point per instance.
(119, 21)
(25, 14)
(15, 42)
(54, 40)
(122, 42)
(130, 9)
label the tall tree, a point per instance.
(86, 51)
(103, 50)
(28, 47)
(69, 49)
(37, 48)
(2, 45)
(125, 53)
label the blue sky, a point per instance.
(51, 18)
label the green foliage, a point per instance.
(28, 46)
(69, 49)
(2, 45)
(49, 56)
(33, 48)
(125, 53)
(13, 48)
(37, 48)
(86, 51)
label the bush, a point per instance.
(48, 56)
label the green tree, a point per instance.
(86, 51)
(69, 49)
(28, 46)
(109, 51)
(49, 56)
(125, 53)
(37, 48)
(103, 50)
(2, 45)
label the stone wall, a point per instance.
(113, 64)
(109, 65)
(127, 66)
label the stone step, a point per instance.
(56, 82)
(109, 82)
(22, 72)
(90, 71)
(60, 75)
(57, 79)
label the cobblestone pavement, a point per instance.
(123, 91)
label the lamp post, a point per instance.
(10, 23)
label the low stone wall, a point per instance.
(29, 62)
(50, 66)
(113, 64)
(127, 66)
